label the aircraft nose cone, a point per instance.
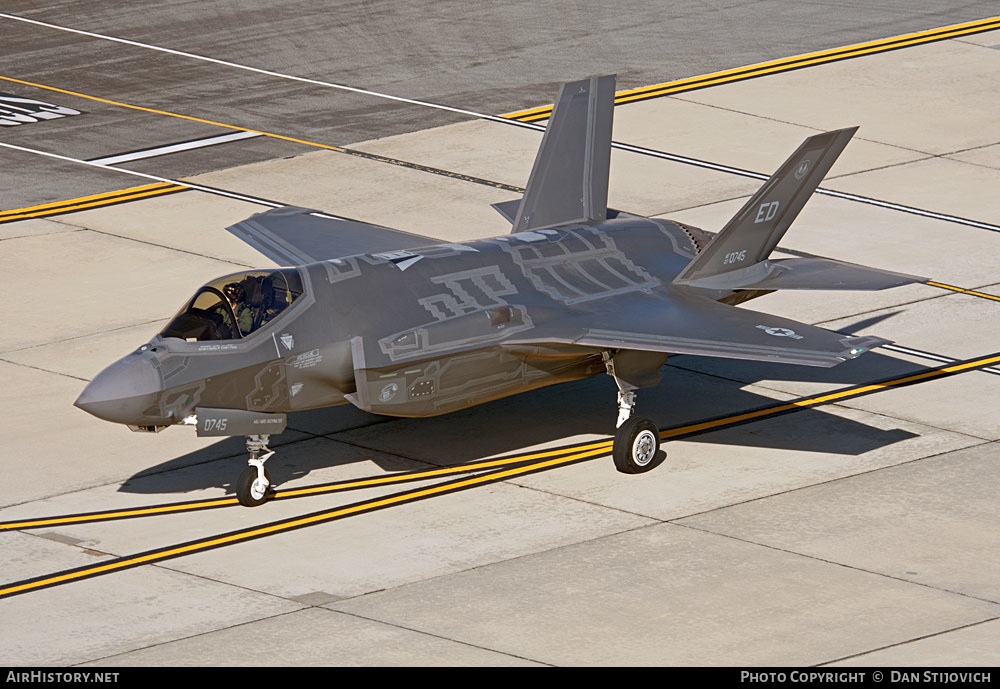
(123, 391)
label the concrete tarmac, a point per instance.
(861, 532)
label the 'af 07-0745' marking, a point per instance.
(735, 257)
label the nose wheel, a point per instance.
(253, 484)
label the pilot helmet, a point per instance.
(233, 291)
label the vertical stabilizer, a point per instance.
(569, 181)
(752, 234)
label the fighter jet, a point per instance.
(404, 325)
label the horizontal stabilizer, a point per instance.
(292, 236)
(805, 273)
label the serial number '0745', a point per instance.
(215, 424)
(735, 257)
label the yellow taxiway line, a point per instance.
(547, 461)
(87, 202)
(781, 65)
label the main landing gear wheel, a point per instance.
(636, 443)
(251, 491)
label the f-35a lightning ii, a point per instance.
(404, 325)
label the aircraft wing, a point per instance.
(688, 323)
(292, 236)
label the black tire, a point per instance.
(637, 444)
(244, 488)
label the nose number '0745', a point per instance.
(215, 424)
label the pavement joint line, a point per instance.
(573, 455)
(367, 448)
(836, 405)
(622, 146)
(888, 166)
(79, 337)
(771, 118)
(939, 295)
(824, 398)
(275, 204)
(423, 632)
(43, 370)
(341, 441)
(147, 474)
(169, 248)
(909, 641)
(788, 64)
(331, 487)
(989, 296)
(835, 563)
(257, 70)
(829, 481)
(655, 90)
(189, 185)
(199, 634)
(826, 191)
(280, 526)
(591, 503)
(41, 234)
(969, 148)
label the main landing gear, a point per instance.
(637, 440)
(253, 485)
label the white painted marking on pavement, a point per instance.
(174, 148)
(504, 120)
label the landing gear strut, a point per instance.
(253, 484)
(637, 440)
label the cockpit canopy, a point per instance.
(236, 305)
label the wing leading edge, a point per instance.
(293, 236)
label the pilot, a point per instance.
(244, 314)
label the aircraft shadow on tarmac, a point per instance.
(693, 389)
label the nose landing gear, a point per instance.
(252, 487)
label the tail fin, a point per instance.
(752, 234)
(569, 181)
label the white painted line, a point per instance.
(155, 178)
(928, 355)
(174, 148)
(504, 120)
(272, 204)
(718, 167)
(267, 72)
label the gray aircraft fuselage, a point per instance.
(362, 316)
(409, 333)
